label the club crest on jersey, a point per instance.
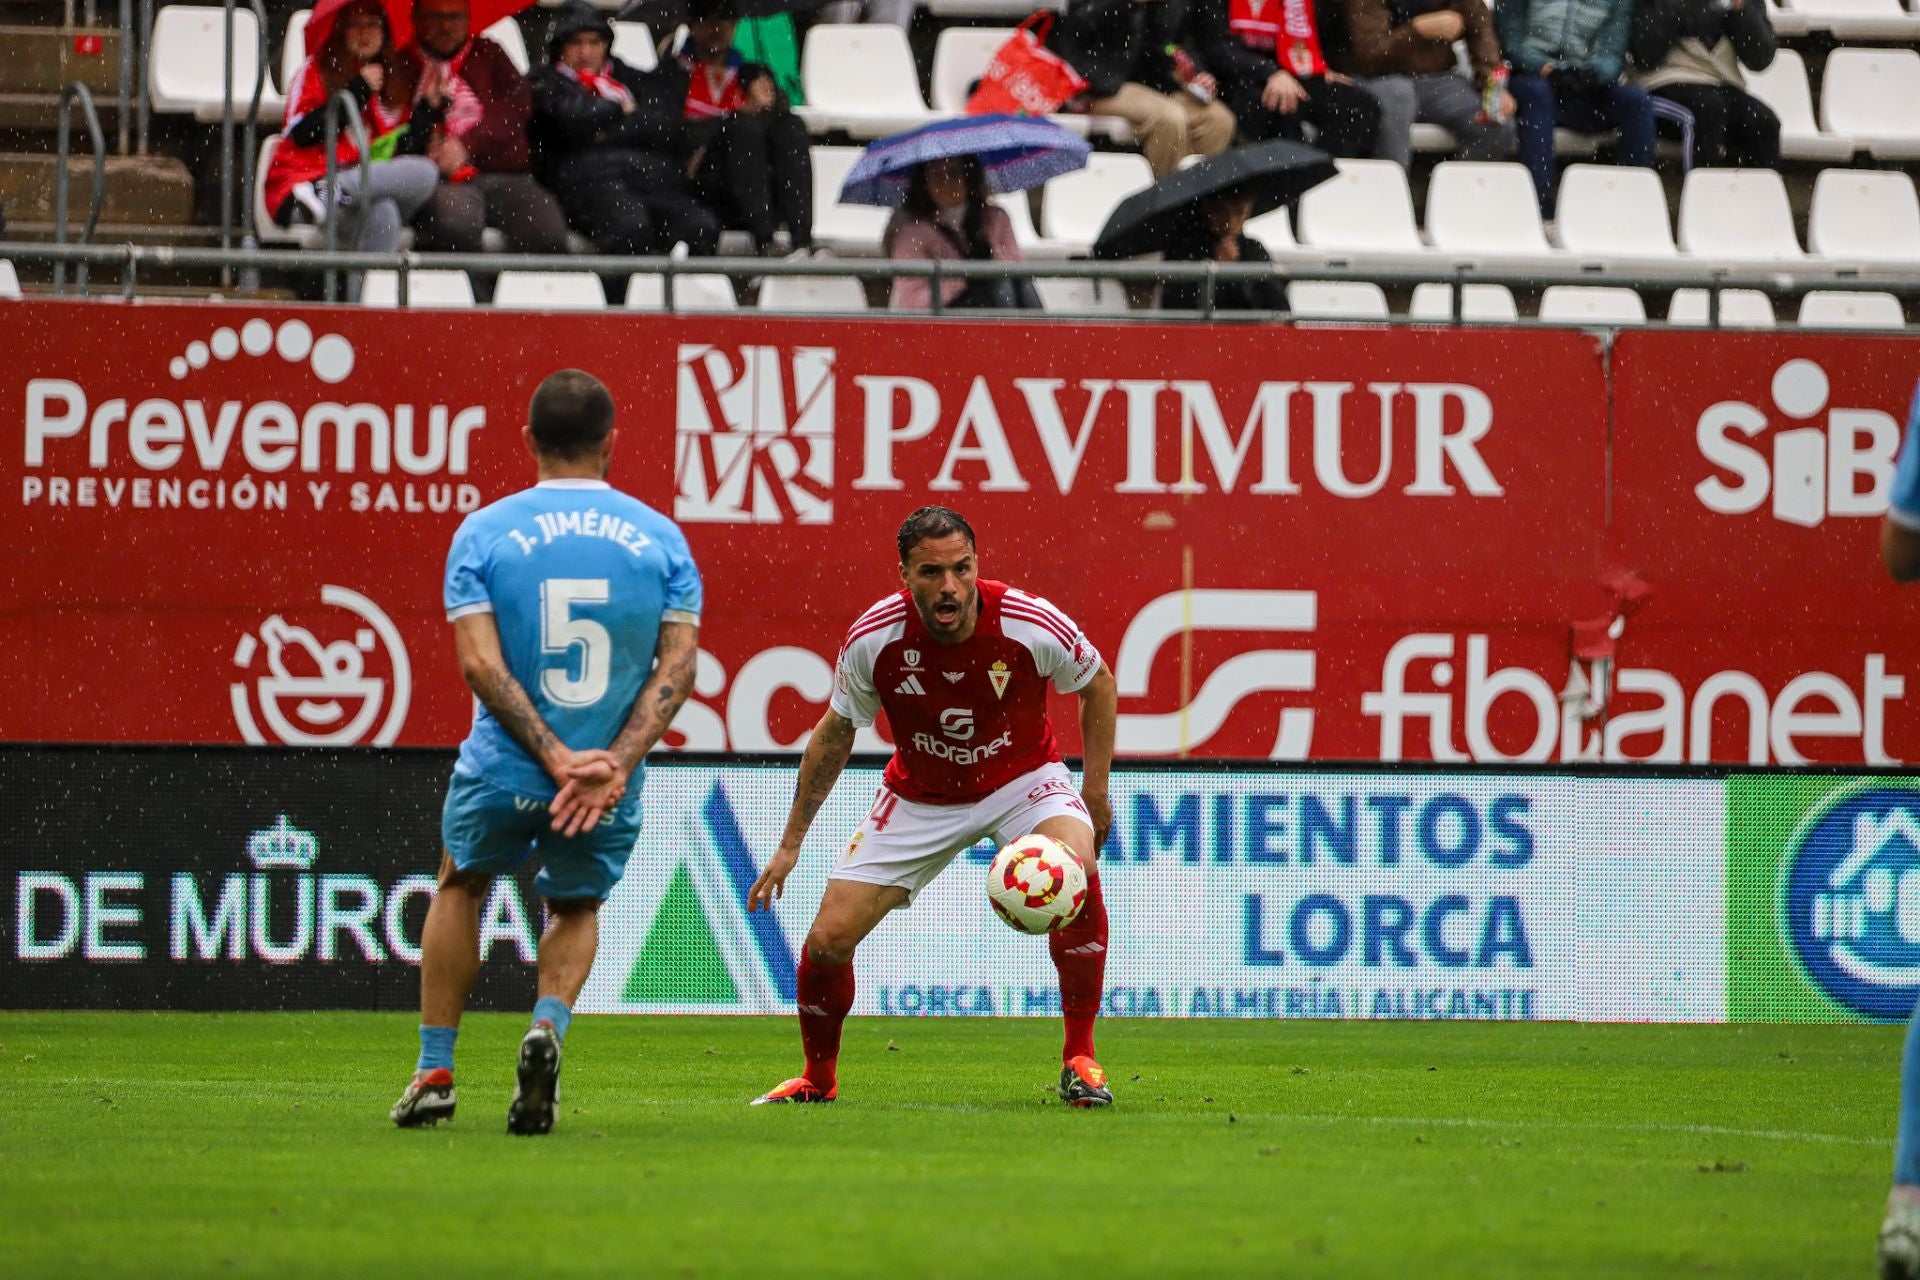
(910, 685)
(954, 677)
(911, 657)
(999, 675)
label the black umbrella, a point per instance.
(1273, 173)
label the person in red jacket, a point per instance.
(354, 54)
(480, 106)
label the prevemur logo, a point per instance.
(1823, 898)
(700, 950)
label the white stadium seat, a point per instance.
(1586, 304)
(1834, 309)
(1365, 208)
(1865, 215)
(293, 50)
(860, 77)
(1859, 19)
(960, 54)
(812, 293)
(1273, 229)
(1485, 209)
(424, 289)
(506, 33)
(1739, 215)
(1785, 21)
(1873, 95)
(549, 291)
(270, 232)
(1076, 205)
(703, 292)
(184, 64)
(9, 281)
(1020, 213)
(1739, 308)
(853, 229)
(1783, 87)
(1336, 300)
(1613, 211)
(1434, 301)
(633, 44)
(1104, 296)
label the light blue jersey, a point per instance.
(1904, 506)
(578, 577)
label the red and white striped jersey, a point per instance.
(967, 718)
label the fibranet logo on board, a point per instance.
(303, 446)
(755, 436)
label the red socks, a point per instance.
(1080, 955)
(825, 994)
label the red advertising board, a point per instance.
(229, 525)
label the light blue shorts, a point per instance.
(492, 831)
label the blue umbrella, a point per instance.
(1017, 152)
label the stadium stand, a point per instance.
(1434, 301)
(1076, 205)
(1738, 215)
(1834, 309)
(1484, 208)
(1865, 215)
(812, 293)
(183, 70)
(1739, 308)
(429, 288)
(1337, 300)
(1599, 304)
(1612, 211)
(1873, 96)
(850, 229)
(1367, 208)
(1783, 86)
(648, 292)
(860, 79)
(1081, 295)
(549, 291)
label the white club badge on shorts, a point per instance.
(999, 675)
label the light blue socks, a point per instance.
(436, 1047)
(553, 1009)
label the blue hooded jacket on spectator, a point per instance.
(1574, 33)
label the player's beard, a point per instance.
(930, 615)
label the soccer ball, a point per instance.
(1035, 885)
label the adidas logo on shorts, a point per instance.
(910, 685)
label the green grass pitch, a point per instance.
(172, 1144)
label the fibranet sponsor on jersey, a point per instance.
(159, 452)
(756, 435)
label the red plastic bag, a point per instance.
(1025, 77)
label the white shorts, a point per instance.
(905, 845)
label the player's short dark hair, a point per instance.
(932, 522)
(570, 414)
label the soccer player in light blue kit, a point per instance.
(1900, 1233)
(576, 613)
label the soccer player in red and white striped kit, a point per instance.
(961, 667)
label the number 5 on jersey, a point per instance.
(561, 633)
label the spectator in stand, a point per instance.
(478, 107)
(355, 54)
(1567, 58)
(948, 215)
(1120, 47)
(1274, 71)
(1219, 235)
(1405, 48)
(611, 141)
(1691, 54)
(751, 158)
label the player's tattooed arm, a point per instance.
(662, 696)
(477, 641)
(826, 755)
(1099, 713)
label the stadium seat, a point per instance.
(812, 293)
(549, 291)
(1076, 205)
(1365, 208)
(1020, 213)
(1783, 87)
(648, 292)
(1274, 230)
(1865, 215)
(1785, 22)
(184, 64)
(1586, 304)
(1739, 215)
(1434, 301)
(293, 49)
(1485, 209)
(264, 227)
(1859, 19)
(852, 229)
(1836, 309)
(1613, 211)
(507, 34)
(960, 54)
(9, 280)
(1739, 308)
(1081, 295)
(860, 77)
(424, 289)
(1336, 300)
(633, 45)
(1873, 96)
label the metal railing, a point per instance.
(120, 121)
(74, 89)
(226, 129)
(340, 103)
(131, 259)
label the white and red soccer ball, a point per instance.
(1035, 885)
